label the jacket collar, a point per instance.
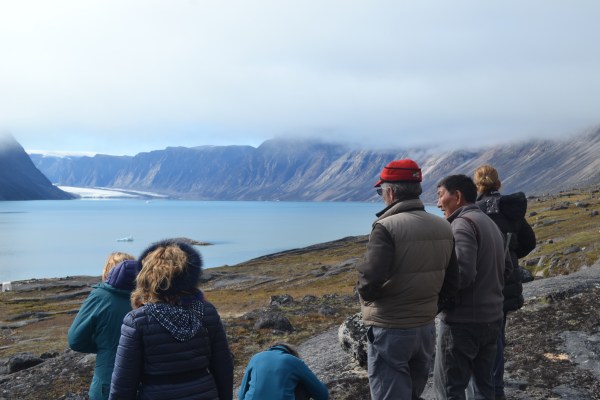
(279, 348)
(462, 210)
(401, 206)
(114, 290)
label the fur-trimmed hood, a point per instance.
(189, 279)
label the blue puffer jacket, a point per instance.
(173, 352)
(275, 374)
(97, 326)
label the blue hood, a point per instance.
(123, 275)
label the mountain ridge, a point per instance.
(315, 170)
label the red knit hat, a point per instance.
(400, 171)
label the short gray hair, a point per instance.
(404, 190)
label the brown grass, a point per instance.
(557, 230)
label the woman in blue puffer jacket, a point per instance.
(173, 344)
(97, 326)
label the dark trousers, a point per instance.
(465, 350)
(499, 365)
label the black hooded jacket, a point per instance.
(508, 212)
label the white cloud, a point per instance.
(128, 76)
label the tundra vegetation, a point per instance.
(313, 288)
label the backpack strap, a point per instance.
(507, 244)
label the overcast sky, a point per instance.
(124, 76)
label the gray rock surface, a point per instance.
(342, 374)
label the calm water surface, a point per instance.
(42, 239)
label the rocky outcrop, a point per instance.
(352, 338)
(23, 361)
(345, 379)
(63, 370)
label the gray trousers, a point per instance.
(399, 361)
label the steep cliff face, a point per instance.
(20, 179)
(316, 171)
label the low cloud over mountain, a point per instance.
(317, 171)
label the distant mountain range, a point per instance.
(306, 170)
(20, 179)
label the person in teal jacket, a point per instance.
(279, 374)
(97, 326)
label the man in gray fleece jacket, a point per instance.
(466, 344)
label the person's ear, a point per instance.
(391, 194)
(460, 199)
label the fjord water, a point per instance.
(47, 239)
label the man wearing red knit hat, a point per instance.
(410, 256)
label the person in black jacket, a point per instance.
(173, 344)
(508, 212)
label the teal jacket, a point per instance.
(97, 328)
(274, 374)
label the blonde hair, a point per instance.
(113, 260)
(159, 268)
(486, 179)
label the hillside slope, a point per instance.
(19, 178)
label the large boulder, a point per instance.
(352, 335)
(22, 361)
(274, 320)
(280, 300)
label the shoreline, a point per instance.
(295, 251)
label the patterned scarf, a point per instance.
(182, 321)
